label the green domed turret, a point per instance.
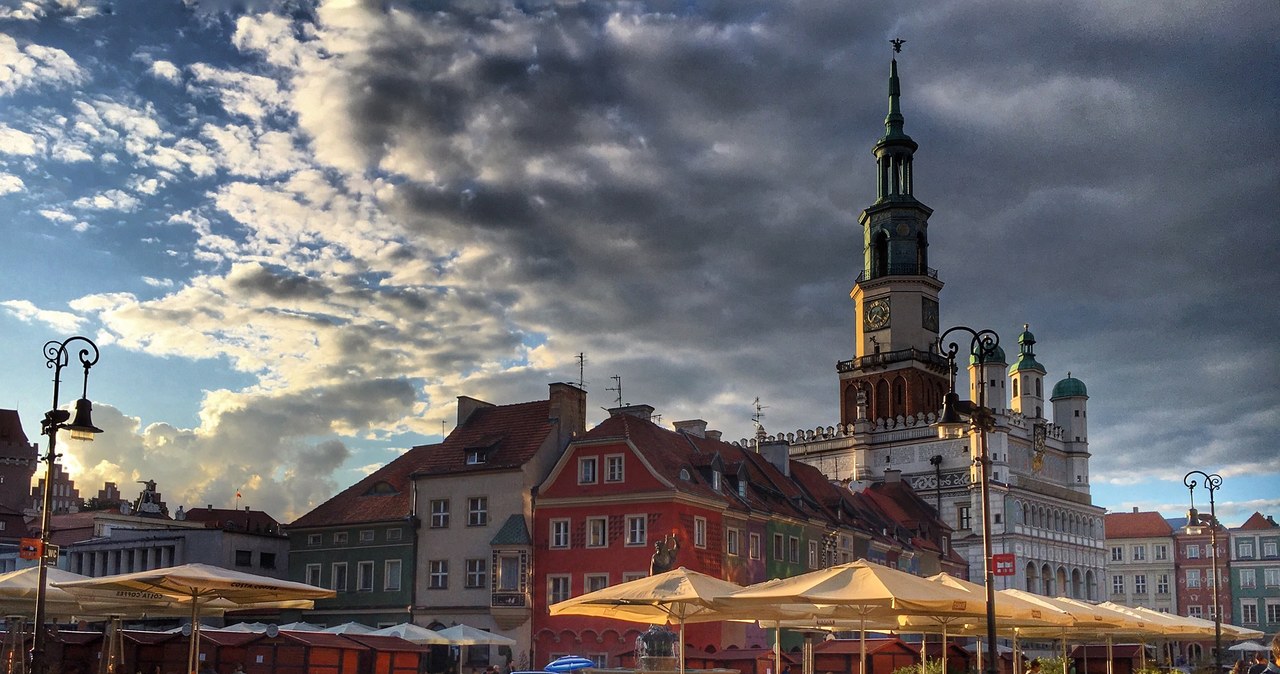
(996, 355)
(1027, 353)
(1069, 388)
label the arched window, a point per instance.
(1038, 393)
(1015, 387)
(882, 400)
(899, 397)
(922, 254)
(880, 255)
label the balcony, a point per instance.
(898, 270)
(889, 357)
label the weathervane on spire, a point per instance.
(897, 45)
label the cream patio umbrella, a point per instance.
(411, 632)
(680, 596)
(466, 635)
(200, 585)
(863, 591)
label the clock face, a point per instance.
(876, 314)
(929, 316)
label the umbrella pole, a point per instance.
(681, 621)
(862, 645)
(944, 648)
(1110, 657)
(777, 647)
(194, 647)
(1142, 656)
(978, 641)
(1017, 654)
(924, 654)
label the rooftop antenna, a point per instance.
(442, 429)
(897, 44)
(755, 418)
(582, 362)
(617, 379)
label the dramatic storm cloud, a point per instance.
(301, 230)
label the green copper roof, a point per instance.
(1069, 388)
(997, 356)
(1026, 353)
(513, 532)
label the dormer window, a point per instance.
(475, 457)
(715, 480)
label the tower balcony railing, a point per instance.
(898, 270)
(890, 357)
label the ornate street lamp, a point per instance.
(983, 345)
(1195, 526)
(57, 356)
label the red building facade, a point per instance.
(1197, 583)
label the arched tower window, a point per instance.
(922, 254)
(899, 396)
(1038, 393)
(882, 400)
(1015, 387)
(880, 255)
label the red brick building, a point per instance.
(1197, 582)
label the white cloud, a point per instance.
(27, 312)
(110, 200)
(167, 71)
(10, 183)
(31, 65)
(21, 143)
(242, 94)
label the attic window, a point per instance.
(475, 457)
(684, 474)
(715, 480)
(381, 488)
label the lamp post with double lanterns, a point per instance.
(57, 356)
(1195, 527)
(983, 345)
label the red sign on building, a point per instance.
(30, 548)
(1002, 564)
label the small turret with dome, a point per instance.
(988, 367)
(1071, 413)
(1026, 377)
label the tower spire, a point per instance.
(894, 120)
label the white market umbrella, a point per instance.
(411, 632)
(466, 635)
(348, 628)
(302, 627)
(199, 585)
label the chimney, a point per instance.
(246, 508)
(713, 435)
(467, 405)
(1135, 510)
(1271, 520)
(640, 411)
(779, 454)
(695, 427)
(567, 408)
(209, 507)
(892, 476)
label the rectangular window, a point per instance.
(613, 468)
(440, 513)
(1139, 553)
(1248, 579)
(244, 558)
(1246, 550)
(1194, 611)
(477, 573)
(779, 548)
(753, 546)
(1248, 612)
(813, 554)
(1162, 552)
(557, 589)
(1193, 552)
(366, 535)
(1117, 554)
(339, 577)
(313, 575)
(267, 560)
(699, 532)
(1117, 585)
(731, 541)
(475, 457)
(438, 574)
(364, 576)
(633, 575)
(597, 532)
(1162, 584)
(1193, 578)
(313, 539)
(1269, 549)
(1273, 613)
(596, 581)
(395, 534)
(340, 538)
(637, 530)
(962, 517)
(1140, 583)
(477, 511)
(559, 534)
(509, 573)
(587, 470)
(1271, 577)
(391, 575)
(793, 550)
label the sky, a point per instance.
(298, 231)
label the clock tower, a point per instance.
(896, 370)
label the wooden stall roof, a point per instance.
(149, 638)
(232, 639)
(850, 646)
(78, 637)
(323, 640)
(738, 654)
(381, 643)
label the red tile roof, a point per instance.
(1257, 522)
(1135, 525)
(253, 521)
(511, 433)
(11, 428)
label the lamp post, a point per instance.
(57, 356)
(1194, 526)
(982, 345)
